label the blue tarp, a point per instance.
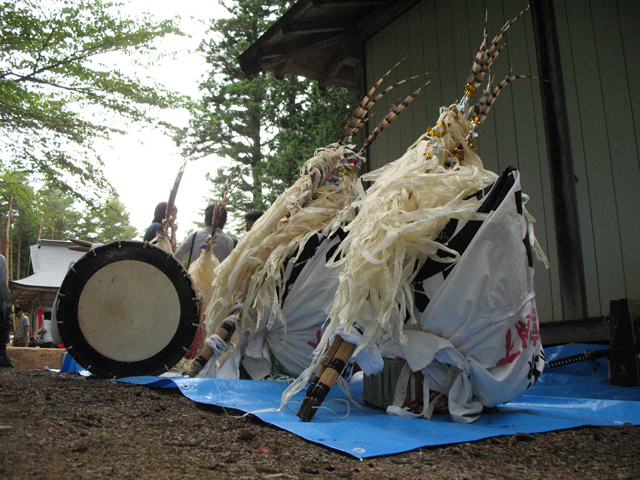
(564, 397)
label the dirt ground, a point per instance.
(58, 425)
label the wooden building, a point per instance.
(49, 261)
(573, 131)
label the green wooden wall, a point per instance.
(599, 40)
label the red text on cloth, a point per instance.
(528, 332)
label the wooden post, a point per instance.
(556, 127)
(19, 253)
(7, 250)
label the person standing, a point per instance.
(5, 315)
(251, 217)
(45, 340)
(193, 243)
(21, 335)
(156, 226)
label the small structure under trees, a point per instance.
(48, 265)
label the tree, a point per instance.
(268, 127)
(27, 214)
(106, 223)
(56, 97)
(63, 218)
(19, 220)
(59, 215)
(305, 117)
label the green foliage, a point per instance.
(268, 127)
(19, 203)
(305, 117)
(63, 219)
(51, 213)
(106, 223)
(56, 96)
(58, 215)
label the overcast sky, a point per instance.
(143, 165)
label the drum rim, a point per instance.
(69, 297)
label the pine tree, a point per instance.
(267, 127)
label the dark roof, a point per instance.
(322, 40)
(50, 260)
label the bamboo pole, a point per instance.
(317, 393)
(225, 332)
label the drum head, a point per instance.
(127, 309)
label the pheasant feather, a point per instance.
(359, 115)
(390, 117)
(485, 57)
(481, 109)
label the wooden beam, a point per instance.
(281, 70)
(332, 70)
(312, 27)
(351, 3)
(298, 44)
(351, 51)
(273, 58)
(590, 330)
(565, 203)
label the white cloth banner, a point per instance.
(478, 340)
(305, 309)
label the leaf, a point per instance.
(56, 94)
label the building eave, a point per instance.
(322, 40)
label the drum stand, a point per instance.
(327, 375)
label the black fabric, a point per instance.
(420, 298)
(342, 235)
(308, 252)
(5, 327)
(191, 259)
(526, 240)
(496, 194)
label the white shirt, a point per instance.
(44, 335)
(22, 322)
